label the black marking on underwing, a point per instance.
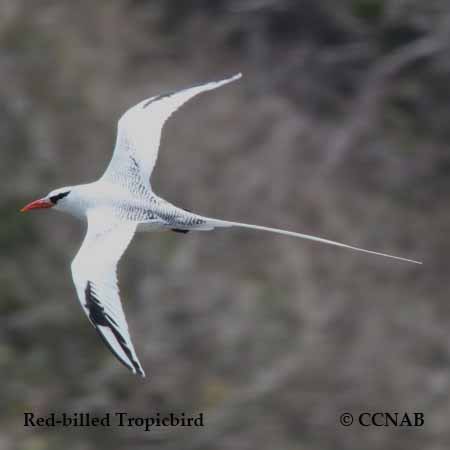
(156, 98)
(100, 318)
(179, 230)
(96, 311)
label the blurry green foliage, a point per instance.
(371, 11)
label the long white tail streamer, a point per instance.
(225, 223)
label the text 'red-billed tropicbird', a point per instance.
(122, 202)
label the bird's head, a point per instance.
(57, 199)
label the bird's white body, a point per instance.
(122, 202)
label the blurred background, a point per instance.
(338, 128)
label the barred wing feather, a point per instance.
(139, 134)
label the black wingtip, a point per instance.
(156, 98)
(99, 318)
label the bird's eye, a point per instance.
(55, 198)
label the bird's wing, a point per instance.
(139, 134)
(94, 275)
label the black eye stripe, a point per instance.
(55, 198)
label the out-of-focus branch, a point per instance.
(234, 409)
(366, 105)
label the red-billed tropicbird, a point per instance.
(122, 202)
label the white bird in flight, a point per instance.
(122, 202)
